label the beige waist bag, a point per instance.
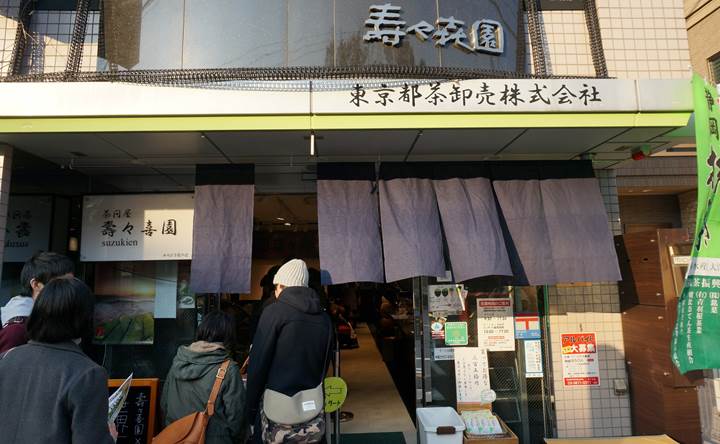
(302, 406)
(291, 410)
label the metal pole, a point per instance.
(337, 373)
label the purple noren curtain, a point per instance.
(412, 236)
(472, 228)
(349, 224)
(222, 229)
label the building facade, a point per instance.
(182, 58)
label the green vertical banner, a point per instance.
(696, 337)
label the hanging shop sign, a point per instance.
(533, 359)
(496, 330)
(27, 228)
(446, 299)
(472, 377)
(580, 360)
(139, 227)
(482, 96)
(386, 25)
(527, 326)
(696, 335)
(456, 333)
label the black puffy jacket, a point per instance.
(290, 350)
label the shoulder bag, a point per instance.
(301, 407)
(191, 429)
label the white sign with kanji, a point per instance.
(496, 327)
(472, 377)
(580, 360)
(27, 229)
(139, 227)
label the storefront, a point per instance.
(488, 202)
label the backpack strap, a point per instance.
(216, 387)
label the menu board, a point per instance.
(136, 421)
(496, 326)
(472, 378)
(580, 360)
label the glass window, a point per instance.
(715, 68)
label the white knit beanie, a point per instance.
(293, 274)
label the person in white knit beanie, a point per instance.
(293, 273)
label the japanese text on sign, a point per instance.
(496, 330)
(137, 227)
(472, 377)
(386, 26)
(580, 360)
(510, 94)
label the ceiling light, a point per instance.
(287, 224)
(646, 191)
(281, 219)
(312, 143)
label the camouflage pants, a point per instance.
(312, 431)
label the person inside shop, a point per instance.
(191, 377)
(50, 391)
(290, 355)
(36, 272)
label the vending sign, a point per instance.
(580, 360)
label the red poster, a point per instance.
(580, 359)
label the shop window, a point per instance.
(714, 63)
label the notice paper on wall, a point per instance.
(472, 378)
(533, 359)
(496, 327)
(446, 299)
(580, 360)
(443, 354)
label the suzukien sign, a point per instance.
(387, 26)
(580, 360)
(482, 96)
(139, 227)
(27, 230)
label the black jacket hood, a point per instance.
(303, 299)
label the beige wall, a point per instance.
(703, 22)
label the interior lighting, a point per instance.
(287, 224)
(312, 143)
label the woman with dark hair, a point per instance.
(50, 392)
(192, 375)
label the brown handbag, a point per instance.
(191, 429)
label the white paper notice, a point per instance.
(533, 359)
(496, 326)
(166, 290)
(472, 378)
(443, 354)
(446, 298)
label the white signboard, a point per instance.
(137, 227)
(447, 299)
(28, 227)
(580, 360)
(482, 96)
(496, 326)
(533, 359)
(472, 378)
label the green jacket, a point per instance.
(188, 385)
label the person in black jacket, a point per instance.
(290, 350)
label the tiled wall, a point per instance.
(8, 28)
(51, 35)
(688, 207)
(582, 411)
(567, 43)
(644, 39)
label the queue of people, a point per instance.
(67, 401)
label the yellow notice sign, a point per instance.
(335, 393)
